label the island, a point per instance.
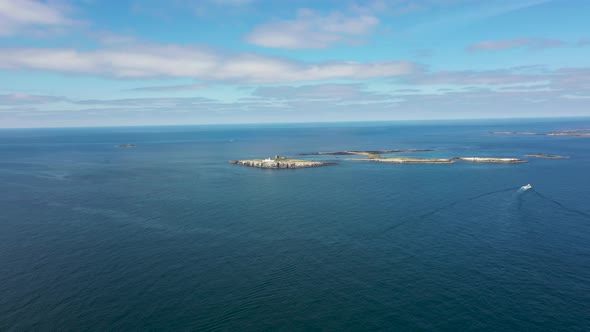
(281, 163)
(125, 146)
(515, 133)
(375, 156)
(366, 153)
(492, 160)
(575, 133)
(406, 160)
(546, 156)
(570, 132)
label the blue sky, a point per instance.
(151, 62)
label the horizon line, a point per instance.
(308, 122)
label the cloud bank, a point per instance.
(155, 61)
(528, 43)
(20, 16)
(311, 30)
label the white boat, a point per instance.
(527, 187)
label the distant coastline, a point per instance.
(125, 146)
(570, 132)
(546, 156)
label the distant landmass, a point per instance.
(124, 146)
(546, 156)
(570, 132)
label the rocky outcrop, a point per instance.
(566, 133)
(546, 156)
(492, 160)
(281, 163)
(405, 160)
(575, 133)
(515, 133)
(363, 153)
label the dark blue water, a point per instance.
(169, 236)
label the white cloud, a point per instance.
(28, 99)
(150, 61)
(312, 30)
(169, 88)
(566, 92)
(319, 92)
(524, 42)
(146, 102)
(483, 77)
(18, 16)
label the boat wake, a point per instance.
(563, 207)
(444, 207)
(520, 190)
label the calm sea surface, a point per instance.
(169, 236)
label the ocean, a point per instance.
(169, 236)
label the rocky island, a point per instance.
(575, 133)
(366, 153)
(280, 162)
(571, 132)
(405, 160)
(125, 146)
(376, 156)
(491, 160)
(546, 156)
(514, 133)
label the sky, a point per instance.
(81, 63)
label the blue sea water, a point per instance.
(169, 236)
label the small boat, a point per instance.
(527, 187)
